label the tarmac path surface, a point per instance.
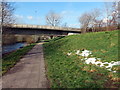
(29, 72)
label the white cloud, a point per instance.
(66, 12)
(19, 16)
(30, 17)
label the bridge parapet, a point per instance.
(45, 27)
(38, 30)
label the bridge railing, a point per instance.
(46, 27)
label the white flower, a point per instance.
(90, 60)
(85, 53)
(84, 59)
(109, 69)
(99, 59)
(112, 62)
(69, 54)
(98, 62)
(114, 71)
(78, 51)
(110, 65)
(117, 63)
(101, 65)
(105, 63)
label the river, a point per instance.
(10, 48)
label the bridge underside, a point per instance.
(29, 31)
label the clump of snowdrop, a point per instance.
(90, 60)
(86, 53)
(107, 65)
(95, 61)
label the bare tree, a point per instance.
(118, 15)
(91, 21)
(95, 21)
(115, 14)
(6, 18)
(53, 19)
(108, 13)
(111, 14)
(85, 20)
(7, 10)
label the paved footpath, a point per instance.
(29, 72)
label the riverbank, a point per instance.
(11, 59)
(12, 47)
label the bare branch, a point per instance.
(6, 13)
(53, 19)
(85, 20)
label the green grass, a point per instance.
(70, 72)
(54, 39)
(10, 60)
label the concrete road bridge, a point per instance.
(38, 30)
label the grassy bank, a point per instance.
(69, 71)
(10, 60)
(54, 39)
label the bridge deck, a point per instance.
(38, 30)
(45, 27)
